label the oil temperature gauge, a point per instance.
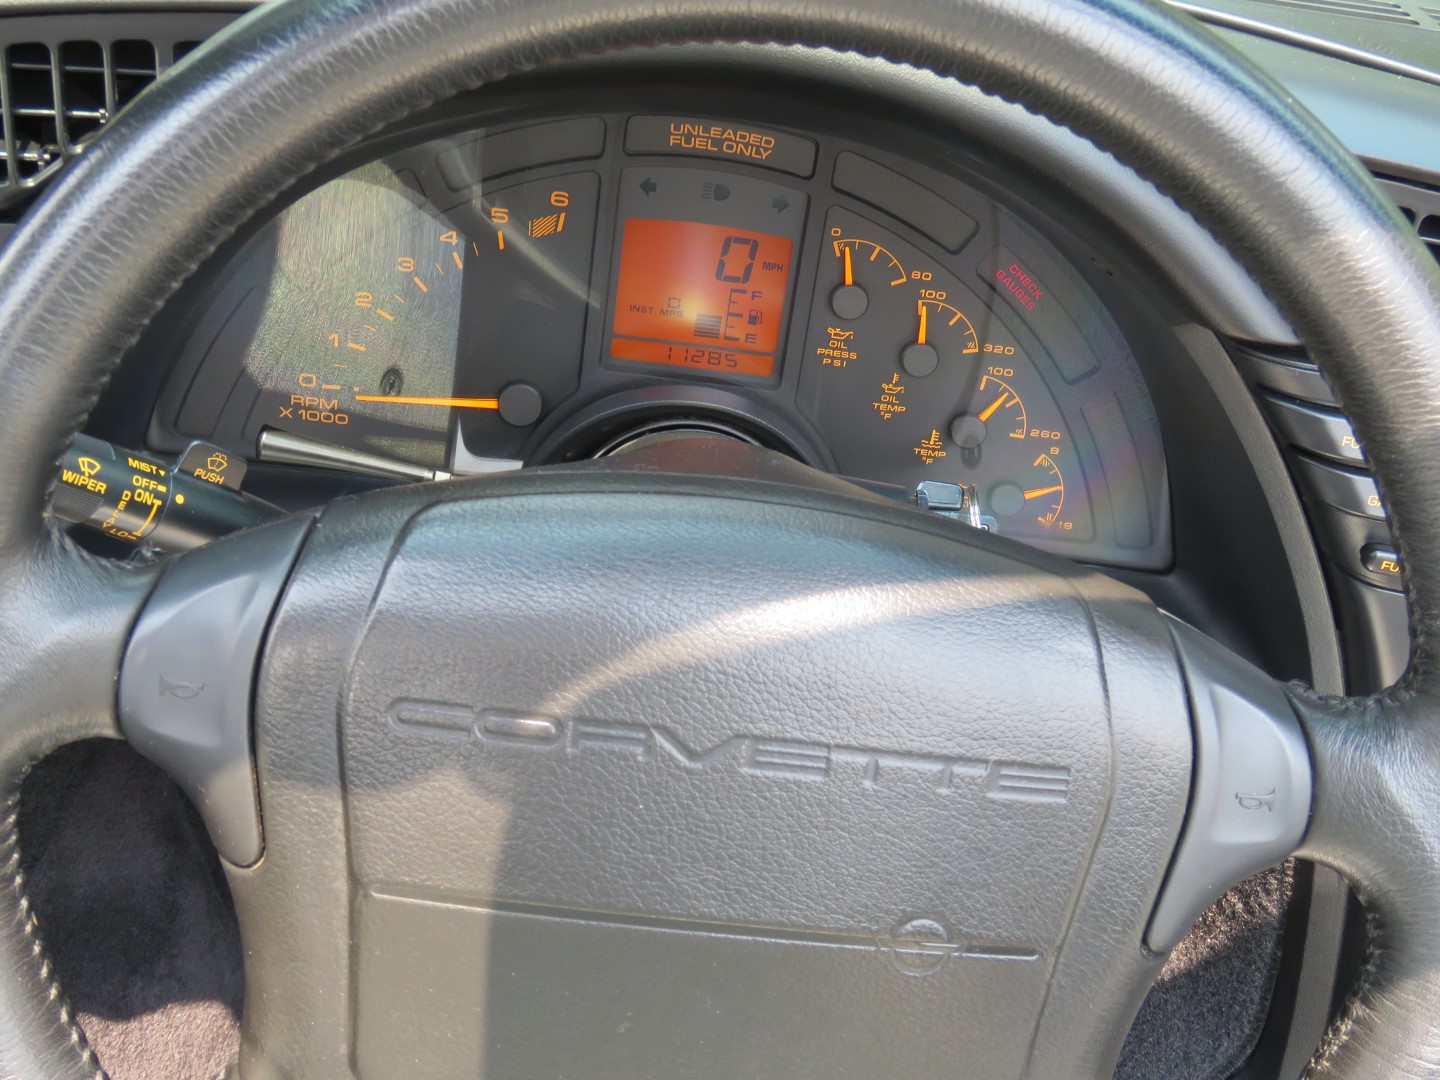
(912, 378)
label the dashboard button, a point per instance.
(1346, 489)
(1323, 431)
(721, 140)
(1381, 560)
(1360, 546)
(898, 195)
(1287, 375)
(208, 462)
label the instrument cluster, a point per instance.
(552, 291)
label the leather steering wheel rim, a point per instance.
(297, 82)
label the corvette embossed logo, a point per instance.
(751, 754)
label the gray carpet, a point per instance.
(134, 911)
(1204, 1014)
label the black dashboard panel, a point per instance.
(552, 291)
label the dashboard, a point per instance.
(562, 289)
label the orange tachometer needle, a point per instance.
(1035, 493)
(991, 410)
(849, 269)
(448, 402)
(924, 322)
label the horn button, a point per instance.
(667, 778)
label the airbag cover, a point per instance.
(816, 769)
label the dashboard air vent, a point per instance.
(1420, 203)
(56, 98)
(64, 77)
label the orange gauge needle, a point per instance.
(924, 323)
(1035, 493)
(446, 402)
(991, 410)
(849, 269)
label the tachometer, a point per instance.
(372, 365)
(339, 321)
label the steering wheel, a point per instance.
(704, 763)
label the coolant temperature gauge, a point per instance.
(998, 412)
(1003, 411)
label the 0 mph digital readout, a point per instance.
(700, 296)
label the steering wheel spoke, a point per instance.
(1250, 797)
(67, 618)
(186, 685)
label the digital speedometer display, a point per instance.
(709, 297)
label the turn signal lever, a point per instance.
(143, 501)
